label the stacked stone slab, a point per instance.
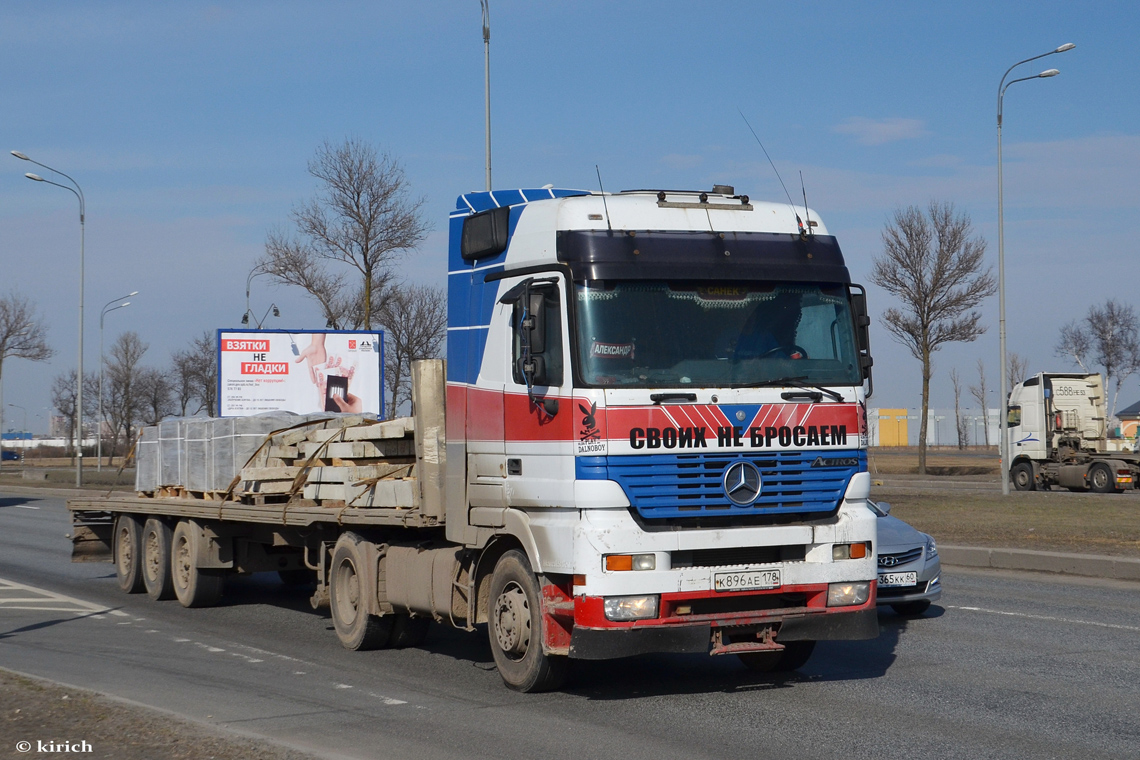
(334, 460)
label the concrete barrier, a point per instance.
(1088, 565)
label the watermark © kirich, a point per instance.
(54, 747)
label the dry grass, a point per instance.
(1044, 520)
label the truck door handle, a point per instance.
(661, 398)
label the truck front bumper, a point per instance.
(592, 637)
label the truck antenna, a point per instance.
(604, 206)
(803, 188)
(799, 222)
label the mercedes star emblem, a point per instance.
(742, 483)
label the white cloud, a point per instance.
(881, 131)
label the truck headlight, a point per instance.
(618, 562)
(848, 594)
(631, 607)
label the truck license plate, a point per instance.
(746, 581)
(890, 580)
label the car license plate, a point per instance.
(889, 580)
(746, 581)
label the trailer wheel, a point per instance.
(193, 586)
(156, 540)
(1101, 479)
(355, 627)
(408, 631)
(793, 656)
(1022, 476)
(128, 553)
(515, 628)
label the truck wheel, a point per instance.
(515, 628)
(1022, 476)
(408, 631)
(794, 656)
(911, 609)
(348, 594)
(193, 586)
(128, 553)
(156, 541)
(1101, 479)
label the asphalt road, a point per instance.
(1009, 666)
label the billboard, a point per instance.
(300, 372)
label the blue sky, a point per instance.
(189, 126)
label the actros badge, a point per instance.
(741, 483)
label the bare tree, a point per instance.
(363, 217)
(63, 387)
(1109, 335)
(123, 373)
(155, 390)
(981, 394)
(1018, 368)
(22, 336)
(959, 421)
(933, 264)
(196, 370)
(415, 323)
(1075, 343)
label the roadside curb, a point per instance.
(1089, 565)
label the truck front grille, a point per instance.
(670, 486)
(746, 555)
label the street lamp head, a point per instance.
(276, 311)
(245, 318)
(36, 177)
(124, 303)
(19, 155)
(1063, 48)
(132, 293)
(1048, 73)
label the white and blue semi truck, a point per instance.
(649, 435)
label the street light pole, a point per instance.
(1003, 426)
(487, 81)
(107, 308)
(77, 191)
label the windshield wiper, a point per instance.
(816, 392)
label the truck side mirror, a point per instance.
(534, 370)
(485, 234)
(862, 329)
(534, 322)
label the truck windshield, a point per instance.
(663, 334)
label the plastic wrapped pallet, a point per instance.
(198, 454)
(146, 461)
(233, 440)
(171, 465)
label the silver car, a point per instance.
(910, 574)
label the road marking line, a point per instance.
(387, 700)
(44, 596)
(1047, 617)
(24, 506)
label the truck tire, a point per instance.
(408, 631)
(793, 656)
(348, 594)
(156, 539)
(128, 553)
(193, 586)
(1101, 479)
(515, 628)
(1022, 477)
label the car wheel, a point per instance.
(1101, 479)
(911, 609)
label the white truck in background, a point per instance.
(1058, 436)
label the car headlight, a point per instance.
(931, 547)
(631, 607)
(848, 594)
